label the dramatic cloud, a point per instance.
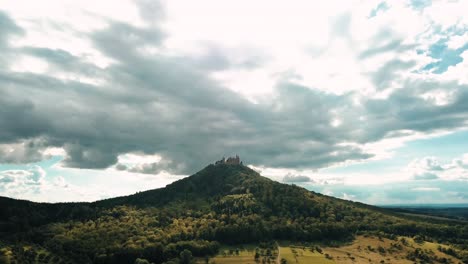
(296, 179)
(156, 104)
(169, 86)
(26, 151)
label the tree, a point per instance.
(185, 256)
(3, 259)
(154, 253)
(257, 256)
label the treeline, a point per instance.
(19, 215)
(157, 253)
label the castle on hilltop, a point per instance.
(230, 161)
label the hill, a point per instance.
(446, 212)
(223, 204)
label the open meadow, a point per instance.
(364, 249)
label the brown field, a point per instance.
(366, 250)
(294, 254)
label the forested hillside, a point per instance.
(220, 205)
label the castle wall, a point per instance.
(230, 161)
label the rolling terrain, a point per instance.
(447, 212)
(207, 216)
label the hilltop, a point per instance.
(224, 203)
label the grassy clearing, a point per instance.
(374, 250)
(364, 250)
(232, 260)
(294, 254)
(243, 254)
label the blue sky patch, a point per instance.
(445, 56)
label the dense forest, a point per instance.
(220, 205)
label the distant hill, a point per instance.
(221, 204)
(452, 212)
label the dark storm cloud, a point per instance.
(121, 41)
(168, 105)
(406, 110)
(18, 118)
(23, 152)
(296, 179)
(157, 167)
(387, 74)
(62, 60)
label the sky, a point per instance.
(361, 100)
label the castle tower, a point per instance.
(230, 160)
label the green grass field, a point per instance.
(229, 255)
(232, 260)
(302, 255)
(246, 255)
(292, 254)
(364, 250)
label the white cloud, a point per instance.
(439, 97)
(53, 151)
(61, 25)
(323, 177)
(448, 13)
(458, 72)
(321, 44)
(29, 64)
(425, 164)
(458, 41)
(60, 182)
(132, 159)
(430, 168)
(21, 183)
(146, 164)
(426, 189)
(73, 185)
(348, 196)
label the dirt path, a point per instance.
(278, 258)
